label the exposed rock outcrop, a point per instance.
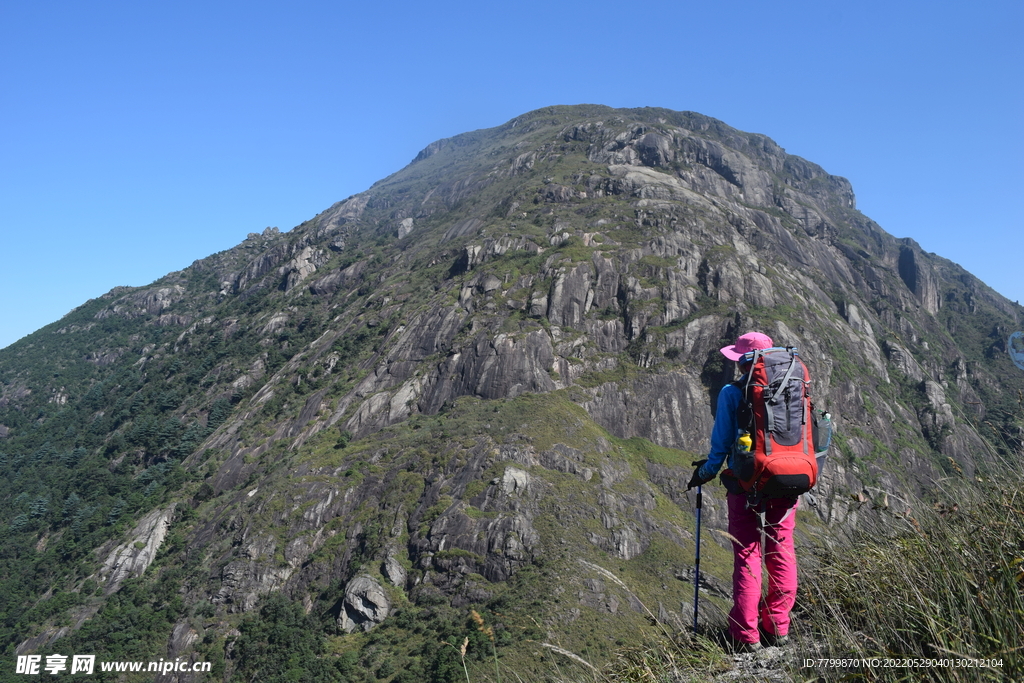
(364, 606)
(131, 559)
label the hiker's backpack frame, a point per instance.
(777, 412)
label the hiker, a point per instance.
(750, 515)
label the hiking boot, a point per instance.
(740, 648)
(724, 639)
(776, 641)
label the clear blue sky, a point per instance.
(136, 137)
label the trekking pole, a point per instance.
(696, 568)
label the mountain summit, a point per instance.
(449, 391)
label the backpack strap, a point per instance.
(745, 411)
(755, 356)
(761, 510)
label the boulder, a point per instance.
(364, 606)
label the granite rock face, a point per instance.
(132, 558)
(724, 231)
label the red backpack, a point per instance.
(777, 413)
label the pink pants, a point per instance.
(780, 559)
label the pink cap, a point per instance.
(751, 341)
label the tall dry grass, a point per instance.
(943, 583)
(670, 652)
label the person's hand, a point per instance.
(696, 479)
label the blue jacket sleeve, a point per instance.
(723, 436)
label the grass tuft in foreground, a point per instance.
(947, 587)
(670, 653)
